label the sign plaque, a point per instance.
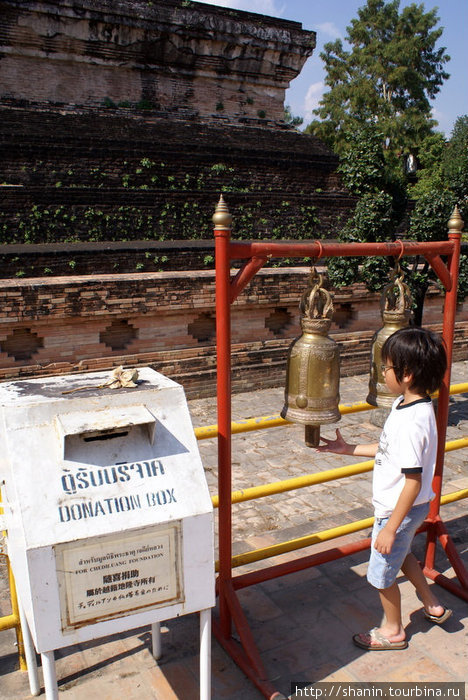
(111, 576)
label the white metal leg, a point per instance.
(30, 653)
(50, 677)
(156, 640)
(205, 654)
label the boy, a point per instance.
(414, 365)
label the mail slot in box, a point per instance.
(108, 515)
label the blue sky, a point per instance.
(330, 18)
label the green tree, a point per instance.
(456, 160)
(444, 165)
(431, 172)
(428, 222)
(382, 210)
(377, 213)
(442, 183)
(373, 221)
(376, 113)
(362, 163)
(388, 76)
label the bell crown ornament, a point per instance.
(396, 300)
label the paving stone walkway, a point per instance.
(303, 622)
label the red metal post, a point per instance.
(448, 328)
(222, 232)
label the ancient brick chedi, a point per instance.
(125, 120)
(178, 56)
(122, 122)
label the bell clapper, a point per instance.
(312, 435)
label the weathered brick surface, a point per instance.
(180, 58)
(76, 164)
(166, 320)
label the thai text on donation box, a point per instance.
(108, 515)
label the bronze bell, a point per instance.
(313, 368)
(395, 307)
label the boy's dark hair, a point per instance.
(419, 352)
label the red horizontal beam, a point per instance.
(319, 249)
(294, 565)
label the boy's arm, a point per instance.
(386, 536)
(340, 447)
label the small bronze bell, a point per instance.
(395, 307)
(313, 369)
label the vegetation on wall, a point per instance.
(182, 208)
(64, 224)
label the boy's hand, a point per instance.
(338, 446)
(384, 541)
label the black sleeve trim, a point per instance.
(412, 470)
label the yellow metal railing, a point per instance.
(318, 537)
(8, 622)
(12, 621)
(299, 482)
(275, 420)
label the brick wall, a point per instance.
(167, 321)
(173, 56)
(125, 120)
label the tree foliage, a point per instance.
(444, 165)
(372, 221)
(456, 159)
(375, 218)
(388, 76)
(442, 184)
(375, 114)
(362, 163)
(382, 210)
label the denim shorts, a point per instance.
(383, 568)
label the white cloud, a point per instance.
(312, 98)
(444, 122)
(330, 30)
(263, 7)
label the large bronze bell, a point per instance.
(395, 307)
(313, 369)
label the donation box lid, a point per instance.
(81, 460)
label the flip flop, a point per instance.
(375, 641)
(438, 619)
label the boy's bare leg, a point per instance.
(392, 627)
(413, 573)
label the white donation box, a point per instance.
(108, 515)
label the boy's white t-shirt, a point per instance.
(408, 445)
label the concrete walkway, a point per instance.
(302, 623)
